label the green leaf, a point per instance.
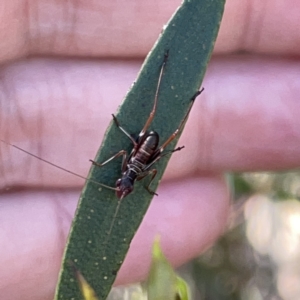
(163, 283)
(94, 250)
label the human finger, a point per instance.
(244, 120)
(35, 225)
(108, 29)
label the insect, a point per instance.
(146, 150)
(145, 153)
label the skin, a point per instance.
(83, 57)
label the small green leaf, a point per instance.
(96, 247)
(182, 289)
(163, 283)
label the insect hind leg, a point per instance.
(152, 113)
(176, 132)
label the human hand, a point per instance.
(244, 120)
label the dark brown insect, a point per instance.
(145, 150)
(145, 153)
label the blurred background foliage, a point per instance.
(258, 258)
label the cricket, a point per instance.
(145, 153)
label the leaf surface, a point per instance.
(189, 36)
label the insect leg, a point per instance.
(159, 156)
(152, 172)
(122, 152)
(124, 131)
(152, 113)
(175, 133)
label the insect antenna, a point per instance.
(54, 165)
(113, 220)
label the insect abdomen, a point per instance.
(147, 148)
